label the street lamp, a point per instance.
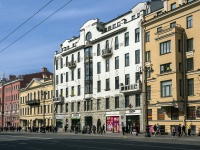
(146, 70)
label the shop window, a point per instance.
(149, 114)
(174, 113)
(191, 113)
(161, 115)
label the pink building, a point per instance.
(10, 96)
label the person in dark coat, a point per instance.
(179, 130)
(137, 130)
(123, 129)
(155, 129)
(183, 130)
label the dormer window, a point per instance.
(88, 36)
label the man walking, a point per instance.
(155, 130)
(179, 130)
(183, 130)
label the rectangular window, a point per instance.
(79, 90)
(159, 29)
(107, 45)
(127, 79)
(114, 25)
(149, 114)
(61, 63)
(72, 106)
(165, 68)
(72, 91)
(117, 82)
(98, 50)
(179, 46)
(116, 43)
(67, 79)
(148, 56)
(148, 92)
(126, 59)
(137, 35)
(66, 107)
(107, 103)
(98, 67)
(98, 104)
(174, 113)
(117, 62)
(107, 65)
(66, 61)
(190, 64)
(190, 45)
(161, 115)
(137, 77)
(79, 57)
(98, 86)
(116, 102)
(165, 47)
(191, 115)
(126, 39)
(56, 79)
(173, 6)
(137, 56)
(147, 36)
(137, 100)
(72, 77)
(78, 106)
(79, 73)
(107, 84)
(56, 64)
(189, 22)
(67, 92)
(61, 78)
(166, 88)
(181, 87)
(190, 87)
(173, 24)
(127, 101)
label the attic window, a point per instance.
(109, 28)
(88, 36)
(133, 17)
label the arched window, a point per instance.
(88, 36)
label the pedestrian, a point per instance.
(137, 130)
(155, 129)
(183, 130)
(189, 130)
(104, 129)
(179, 130)
(123, 129)
(131, 129)
(158, 129)
(173, 131)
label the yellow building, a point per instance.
(36, 107)
(171, 47)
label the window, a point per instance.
(137, 100)
(174, 113)
(189, 22)
(61, 78)
(79, 90)
(79, 73)
(137, 35)
(127, 101)
(126, 39)
(172, 25)
(159, 13)
(166, 88)
(190, 45)
(147, 36)
(191, 113)
(190, 87)
(107, 84)
(116, 102)
(137, 56)
(127, 79)
(56, 79)
(148, 92)
(66, 61)
(72, 59)
(107, 44)
(133, 17)
(117, 82)
(67, 77)
(173, 6)
(161, 115)
(72, 106)
(79, 57)
(98, 104)
(149, 114)
(67, 107)
(114, 25)
(159, 29)
(88, 36)
(116, 43)
(109, 28)
(165, 68)
(98, 86)
(67, 92)
(126, 59)
(117, 62)
(107, 103)
(190, 64)
(98, 50)
(72, 91)
(137, 77)
(107, 65)
(78, 106)
(61, 63)
(72, 75)
(98, 67)
(148, 56)
(118, 24)
(165, 47)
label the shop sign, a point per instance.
(59, 116)
(76, 116)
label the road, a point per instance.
(50, 141)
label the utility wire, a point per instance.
(26, 21)
(36, 26)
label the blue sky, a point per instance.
(36, 49)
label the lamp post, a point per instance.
(146, 70)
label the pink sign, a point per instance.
(113, 124)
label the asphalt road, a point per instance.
(49, 141)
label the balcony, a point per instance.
(131, 88)
(33, 102)
(106, 52)
(59, 99)
(71, 64)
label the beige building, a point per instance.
(171, 48)
(36, 107)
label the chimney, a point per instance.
(44, 69)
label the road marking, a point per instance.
(89, 147)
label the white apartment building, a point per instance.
(97, 79)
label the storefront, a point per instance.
(59, 121)
(75, 120)
(112, 124)
(132, 119)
